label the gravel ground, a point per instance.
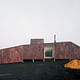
(39, 70)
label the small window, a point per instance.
(48, 53)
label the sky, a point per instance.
(22, 20)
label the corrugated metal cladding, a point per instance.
(37, 41)
(11, 55)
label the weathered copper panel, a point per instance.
(11, 55)
(67, 50)
(35, 51)
(27, 52)
(75, 51)
(62, 50)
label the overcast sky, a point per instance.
(21, 20)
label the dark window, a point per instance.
(48, 53)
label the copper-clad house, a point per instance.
(58, 50)
(38, 50)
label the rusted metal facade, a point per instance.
(60, 50)
(11, 55)
(35, 51)
(67, 50)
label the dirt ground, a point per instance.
(38, 70)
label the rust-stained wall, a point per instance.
(35, 51)
(61, 50)
(11, 55)
(75, 51)
(67, 50)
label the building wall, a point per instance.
(35, 51)
(67, 50)
(61, 50)
(11, 55)
(75, 51)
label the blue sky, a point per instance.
(21, 20)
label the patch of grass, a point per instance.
(7, 74)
